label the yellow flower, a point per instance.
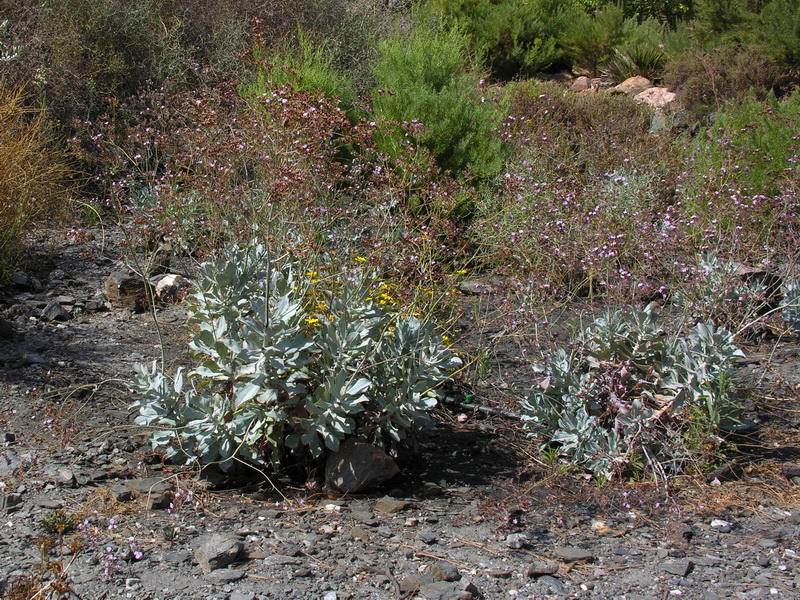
(445, 339)
(361, 259)
(312, 320)
(461, 272)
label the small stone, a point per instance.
(218, 551)
(427, 537)
(50, 504)
(65, 477)
(555, 584)
(282, 559)
(681, 568)
(242, 596)
(225, 575)
(172, 287)
(540, 567)
(570, 554)
(475, 288)
(500, 573)
(444, 571)
(177, 557)
(156, 491)
(54, 312)
(124, 290)
(331, 596)
(722, 526)
(388, 505)
(515, 541)
(21, 281)
(6, 329)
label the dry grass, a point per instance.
(33, 175)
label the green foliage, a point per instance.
(425, 78)
(669, 12)
(515, 37)
(721, 294)
(790, 306)
(778, 32)
(753, 144)
(591, 38)
(628, 389)
(290, 363)
(305, 67)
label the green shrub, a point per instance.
(425, 79)
(305, 67)
(515, 37)
(292, 361)
(753, 145)
(628, 395)
(33, 176)
(592, 38)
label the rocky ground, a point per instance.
(463, 521)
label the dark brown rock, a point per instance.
(358, 466)
(124, 290)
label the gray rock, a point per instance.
(6, 329)
(388, 505)
(282, 559)
(21, 281)
(225, 575)
(156, 491)
(242, 596)
(9, 461)
(515, 541)
(64, 476)
(427, 537)
(539, 568)
(475, 288)
(358, 466)
(570, 554)
(177, 557)
(217, 551)
(444, 571)
(681, 568)
(553, 583)
(54, 312)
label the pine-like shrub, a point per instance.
(426, 78)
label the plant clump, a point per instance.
(291, 364)
(629, 396)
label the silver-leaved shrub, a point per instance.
(290, 364)
(630, 393)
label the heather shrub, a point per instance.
(426, 78)
(705, 80)
(33, 175)
(582, 205)
(753, 144)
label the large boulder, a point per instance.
(657, 97)
(632, 86)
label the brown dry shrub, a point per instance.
(706, 80)
(32, 174)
